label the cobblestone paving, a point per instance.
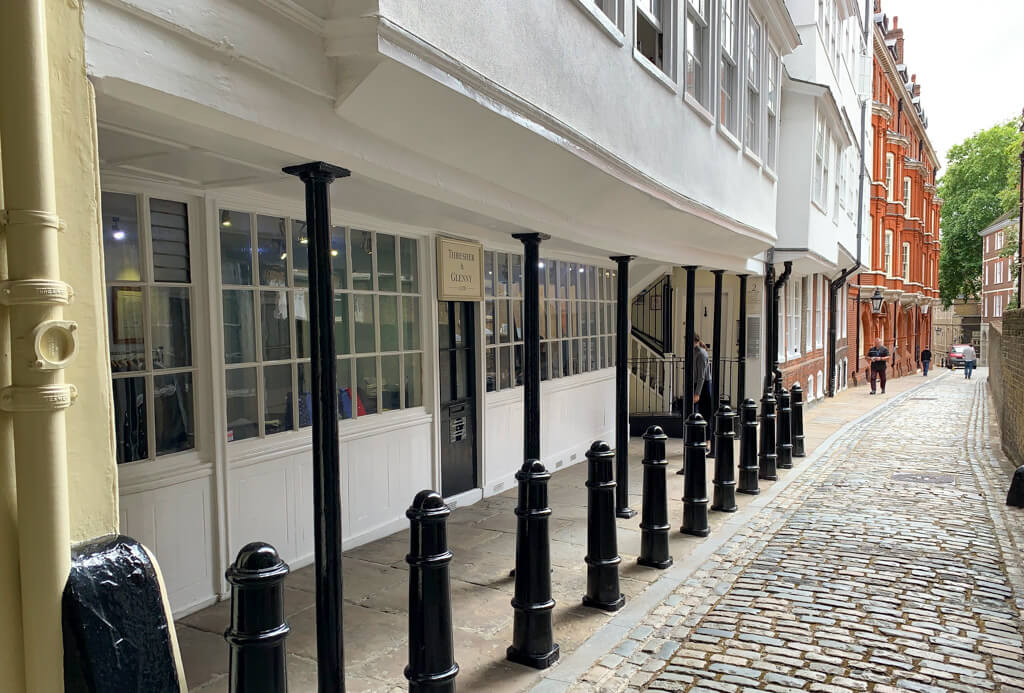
(857, 578)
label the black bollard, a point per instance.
(784, 441)
(724, 497)
(748, 449)
(695, 481)
(654, 524)
(1015, 496)
(602, 547)
(432, 667)
(532, 636)
(258, 630)
(796, 394)
(766, 458)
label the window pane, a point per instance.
(171, 324)
(388, 323)
(239, 327)
(168, 229)
(552, 316)
(127, 331)
(130, 419)
(300, 303)
(489, 325)
(488, 273)
(242, 403)
(361, 248)
(505, 367)
(593, 354)
(339, 259)
(366, 384)
(501, 288)
(542, 320)
(413, 383)
(386, 262)
(492, 371)
(584, 355)
(517, 321)
(461, 383)
(410, 266)
(517, 275)
(173, 413)
(235, 248)
(276, 332)
(390, 383)
(272, 251)
(545, 371)
(300, 254)
(277, 398)
(305, 395)
(410, 322)
(363, 311)
(566, 365)
(503, 328)
(345, 389)
(341, 324)
(518, 351)
(443, 326)
(121, 238)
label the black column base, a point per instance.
(660, 565)
(749, 491)
(625, 513)
(725, 497)
(605, 606)
(798, 447)
(785, 460)
(443, 682)
(536, 661)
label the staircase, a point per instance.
(655, 373)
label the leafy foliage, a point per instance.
(1010, 251)
(979, 186)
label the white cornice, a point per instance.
(297, 14)
(881, 109)
(780, 23)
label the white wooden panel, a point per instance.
(260, 504)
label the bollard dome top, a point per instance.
(428, 499)
(257, 556)
(748, 403)
(796, 388)
(654, 432)
(600, 447)
(533, 467)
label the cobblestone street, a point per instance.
(891, 564)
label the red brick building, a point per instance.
(904, 214)
(996, 279)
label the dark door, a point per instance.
(456, 373)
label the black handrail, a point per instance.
(651, 315)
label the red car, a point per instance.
(955, 357)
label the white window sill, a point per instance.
(602, 21)
(698, 108)
(770, 173)
(819, 207)
(729, 137)
(654, 71)
(752, 157)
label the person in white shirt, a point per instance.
(970, 361)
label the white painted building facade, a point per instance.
(594, 122)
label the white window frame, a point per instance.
(836, 189)
(807, 302)
(697, 70)
(754, 53)
(999, 240)
(729, 65)
(905, 261)
(890, 181)
(819, 313)
(887, 253)
(794, 324)
(999, 272)
(906, 196)
(659, 15)
(772, 104)
(998, 306)
(843, 309)
(842, 187)
(818, 181)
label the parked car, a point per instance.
(955, 357)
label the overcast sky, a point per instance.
(968, 58)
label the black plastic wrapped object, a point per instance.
(796, 394)
(784, 441)
(602, 546)
(766, 458)
(256, 635)
(432, 667)
(1015, 496)
(654, 526)
(117, 636)
(532, 636)
(695, 479)
(724, 497)
(748, 449)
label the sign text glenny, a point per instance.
(459, 270)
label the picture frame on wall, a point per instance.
(126, 315)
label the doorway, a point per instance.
(456, 375)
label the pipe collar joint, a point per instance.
(37, 399)
(35, 291)
(30, 217)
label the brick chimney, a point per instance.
(915, 88)
(897, 34)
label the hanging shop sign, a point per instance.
(460, 270)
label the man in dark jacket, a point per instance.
(926, 360)
(878, 356)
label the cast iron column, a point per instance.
(724, 498)
(784, 440)
(687, 353)
(602, 557)
(766, 458)
(257, 630)
(330, 646)
(531, 343)
(796, 394)
(533, 640)
(695, 482)
(622, 508)
(748, 448)
(432, 667)
(716, 357)
(654, 524)
(741, 350)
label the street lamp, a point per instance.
(876, 301)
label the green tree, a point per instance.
(980, 184)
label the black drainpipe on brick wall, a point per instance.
(836, 284)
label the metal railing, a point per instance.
(656, 382)
(650, 315)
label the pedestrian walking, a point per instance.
(926, 360)
(702, 381)
(970, 361)
(878, 356)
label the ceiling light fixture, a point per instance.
(118, 234)
(225, 218)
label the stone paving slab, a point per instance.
(855, 579)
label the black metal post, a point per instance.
(771, 316)
(432, 667)
(724, 498)
(776, 291)
(695, 481)
(602, 547)
(531, 343)
(748, 448)
(622, 508)
(257, 632)
(330, 645)
(654, 524)
(741, 346)
(532, 637)
(766, 458)
(687, 352)
(784, 440)
(796, 394)
(716, 356)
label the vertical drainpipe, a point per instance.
(42, 343)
